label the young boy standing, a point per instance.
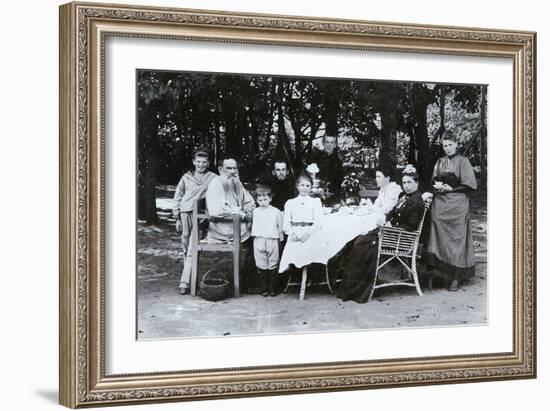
(192, 186)
(267, 231)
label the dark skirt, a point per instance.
(355, 266)
(451, 247)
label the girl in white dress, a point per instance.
(302, 219)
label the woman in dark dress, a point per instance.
(450, 246)
(355, 263)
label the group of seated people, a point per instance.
(283, 214)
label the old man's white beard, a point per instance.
(232, 188)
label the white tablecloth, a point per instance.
(336, 230)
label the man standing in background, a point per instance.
(330, 165)
(281, 184)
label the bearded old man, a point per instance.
(226, 197)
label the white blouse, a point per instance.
(387, 198)
(302, 209)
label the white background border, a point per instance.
(28, 213)
(126, 355)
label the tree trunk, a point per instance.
(298, 135)
(149, 192)
(419, 106)
(245, 134)
(283, 144)
(255, 131)
(267, 135)
(231, 143)
(313, 132)
(297, 149)
(147, 166)
(413, 154)
(331, 110)
(442, 95)
(269, 123)
(424, 164)
(388, 141)
(217, 139)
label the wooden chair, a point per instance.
(200, 244)
(397, 244)
(304, 283)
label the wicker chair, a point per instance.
(199, 244)
(398, 244)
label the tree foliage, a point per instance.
(258, 118)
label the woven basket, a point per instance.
(214, 286)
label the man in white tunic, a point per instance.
(226, 197)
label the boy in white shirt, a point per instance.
(267, 230)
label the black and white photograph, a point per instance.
(276, 204)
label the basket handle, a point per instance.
(208, 272)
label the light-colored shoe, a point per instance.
(182, 290)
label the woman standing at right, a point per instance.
(451, 247)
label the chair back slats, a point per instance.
(200, 213)
(396, 241)
(404, 242)
(200, 204)
(396, 244)
(200, 244)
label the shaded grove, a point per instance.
(256, 118)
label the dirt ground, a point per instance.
(163, 313)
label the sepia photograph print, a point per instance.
(271, 204)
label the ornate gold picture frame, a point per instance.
(84, 30)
